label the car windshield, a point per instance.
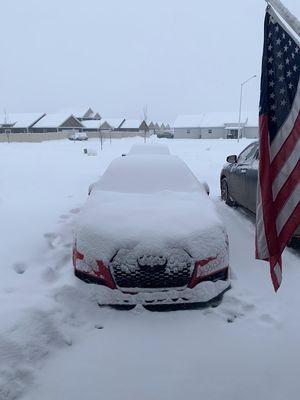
(248, 153)
(150, 174)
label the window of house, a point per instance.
(210, 131)
(232, 134)
(188, 131)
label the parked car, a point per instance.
(238, 182)
(146, 149)
(165, 134)
(78, 136)
(149, 234)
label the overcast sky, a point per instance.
(175, 56)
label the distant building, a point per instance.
(151, 127)
(134, 125)
(86, 115)
(108, 124)
(91, 125)
(113, 124)
(57, 123)
(19, 122)
(216, 125)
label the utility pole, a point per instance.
(240, 107)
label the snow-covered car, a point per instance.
(146, 149)
(78, 136)
(149, 234)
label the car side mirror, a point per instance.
(231, 159)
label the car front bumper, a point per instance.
(203, 293)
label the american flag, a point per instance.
(278, 196)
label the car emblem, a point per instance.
(154, 263)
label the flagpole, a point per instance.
(288, 17)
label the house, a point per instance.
(108, 124)
(112, 124)
(151, 127)
(86, 115)
(91, 125)
(18, 122)
(57, 123)
(134, 125)
(216, 125)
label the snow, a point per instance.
(55, 341)
(92, 123)
(52, 120)
(216, 119)
(131, 124)
(20, 120)
(144, 149)
(138, 174)
(115, 123)
(148, 223)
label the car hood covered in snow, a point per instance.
(149, 223)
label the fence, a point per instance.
(41, 137)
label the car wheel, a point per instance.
(225, 196)
(294, 243)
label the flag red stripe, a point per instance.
(287, 188)
(266, 188)
(273, 261)
(290, 226)
(286, 149)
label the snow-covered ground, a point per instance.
(56, 343)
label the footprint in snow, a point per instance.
(233, 307)
(268, 319)
(64, 216)
(75, 210)
(53, 239)
(49, 275)
(19, 267)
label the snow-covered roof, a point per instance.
(215, 119)
(113, 122)
(131, 124)
(52, 120)
(20, 120)
(188, 121)
(92, 123)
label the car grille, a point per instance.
(151, 279)
(142, 275)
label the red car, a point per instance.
(149, 234)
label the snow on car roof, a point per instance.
(143, 149)
(151, 174)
